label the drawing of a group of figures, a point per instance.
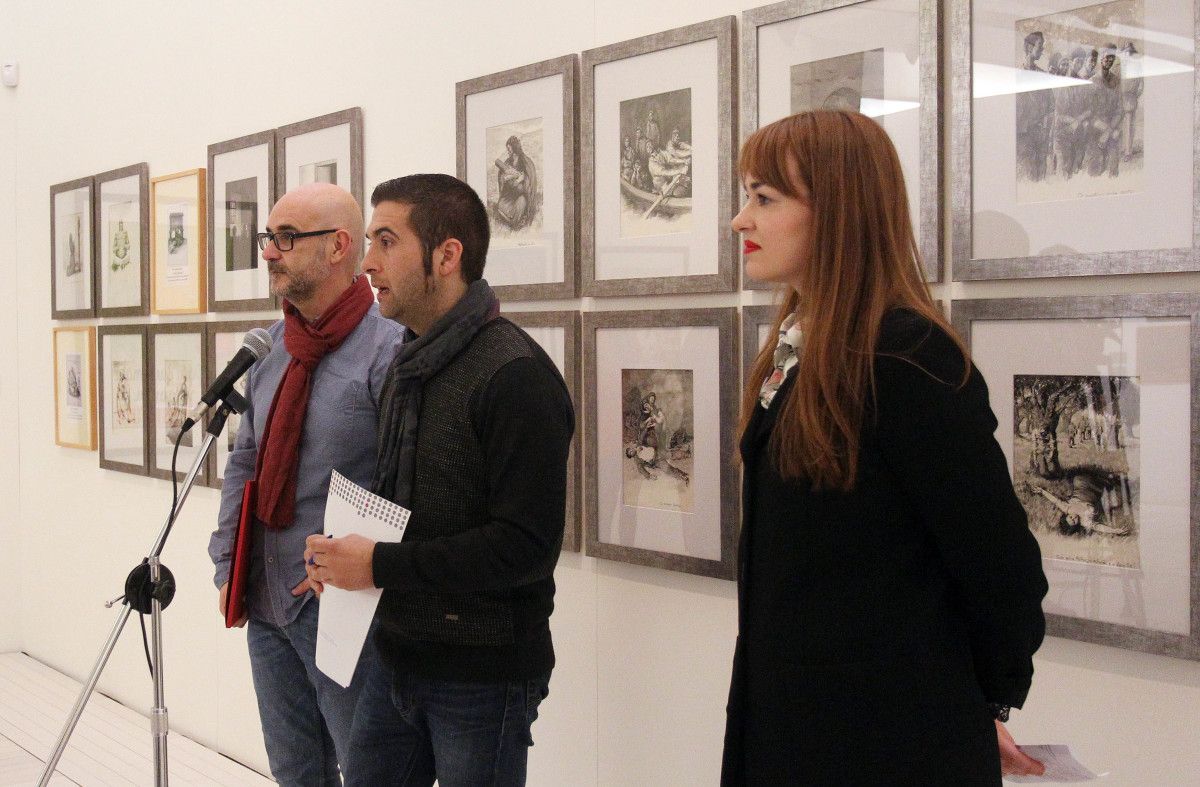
(1075, 463)
(656, 161)
(1094, 125)
(646, 449)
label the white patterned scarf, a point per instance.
(787, 349)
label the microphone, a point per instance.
(256, 345)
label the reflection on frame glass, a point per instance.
(1097, 426)
(878, 57)
(176, 373)
(661, 407)
(558, 335)
(326, 149)
(657, 137)
(121, 384)
(222, 341)
(72, 272)
(75, 387)
(178, 247)
(1073, 156)
(516, 148)
(241, 191)
(122, 221)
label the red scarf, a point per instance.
(279, 458)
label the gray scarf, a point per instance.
(400, 401)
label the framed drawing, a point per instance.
(661, 408)
(222, 340)
(72, 272)
(558, 335)
(877, 57)
(658, 133)
(75, 387)
(178, 250)
(241, 191)
(326, 149)
(176, 372)
(122, 221)
(1074, 141)
(1100, 425)
(757, 322)
(517, 148)
(122, 385)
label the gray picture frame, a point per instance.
(269, 175)
(723, 318)
(352, 117)
(966, 267)
(1180, 305)
(157, 329)
(59, 188)
(931, 227)
(725, 279)
(568, 67)
(754, 317)
(569, 321)
(101, 378)
(211, 369)
(142, 172)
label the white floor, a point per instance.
(110, 746)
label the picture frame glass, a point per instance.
(320, 156)
(124, 397)
(73, 249)
(225, 346)
(120, 243)
(178, 374)
(515, 162)
(657, 219)
(1093, 427)
(1075, 152)
(658, 445)
(241, 182)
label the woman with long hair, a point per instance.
(889, 587)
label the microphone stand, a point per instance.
(150, 587)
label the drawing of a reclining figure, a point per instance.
(1086, 511)
(645, 452)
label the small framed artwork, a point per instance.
(326, 149)
(658, 133)
(241, 191)
(176, 373)
(222, 341)
(1074, 142)
(517, 149)
(122, 219)
(877, 57)
(121, 350)
(661, 406)
(75, 387)
(1099, 425)
(178, 246)
(558, 335)
(72, 269)
(757, 322)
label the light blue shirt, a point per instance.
(339, 434)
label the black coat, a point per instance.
(876, 625)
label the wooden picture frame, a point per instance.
(75, 387)
(178, 243)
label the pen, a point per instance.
(312, 561)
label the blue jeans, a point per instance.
(410, 730)
(306, 717)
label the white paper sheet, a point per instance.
(345, 615)
(1061, 765)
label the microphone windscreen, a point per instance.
(258, 341)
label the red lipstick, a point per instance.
(749, 246)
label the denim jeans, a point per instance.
(411, 730)
(306, 717)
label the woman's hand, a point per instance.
(1013, 761)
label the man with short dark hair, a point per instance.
(475, 428)
(313, 409)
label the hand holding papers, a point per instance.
(345, 615)
(1061, 765)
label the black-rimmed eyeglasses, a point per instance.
(285, 239)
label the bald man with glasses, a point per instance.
(313, 408)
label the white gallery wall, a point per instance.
(643, 654)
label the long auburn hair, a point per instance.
(862, 261)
